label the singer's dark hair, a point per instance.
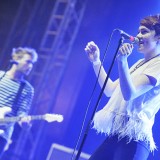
(19, 52)
(152, 22)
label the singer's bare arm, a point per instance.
(93, 53)
(129, 88)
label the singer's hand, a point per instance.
(92, 51)
(124, 51)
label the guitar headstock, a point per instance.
(53, 117)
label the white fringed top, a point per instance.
(134, 118)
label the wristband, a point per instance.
(96, 62)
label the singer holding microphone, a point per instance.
(128, 117)
(16, 93)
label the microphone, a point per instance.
(13, 62)
(125, 35)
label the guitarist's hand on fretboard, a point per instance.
(25, 122)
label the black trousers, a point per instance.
(114, 149)
(3, 143)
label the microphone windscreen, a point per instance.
(134, 40)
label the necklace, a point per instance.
(142, 63)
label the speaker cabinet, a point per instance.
(59, 152)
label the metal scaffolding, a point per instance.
(54, 51)
(57, 43)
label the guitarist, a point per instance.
(15, 92)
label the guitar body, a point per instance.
(4, 111)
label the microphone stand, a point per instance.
(99, 97)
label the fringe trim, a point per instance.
(103, 121)
(137, 128)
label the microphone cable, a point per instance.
(92, 93)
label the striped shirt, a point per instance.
(8, 93)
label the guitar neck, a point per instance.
(16, 118)
(36, 117)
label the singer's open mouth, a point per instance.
(141, 41)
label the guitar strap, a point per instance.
(15, 106)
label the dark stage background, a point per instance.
(65, 86)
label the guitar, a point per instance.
(47, 117)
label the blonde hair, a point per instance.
(20, 51)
